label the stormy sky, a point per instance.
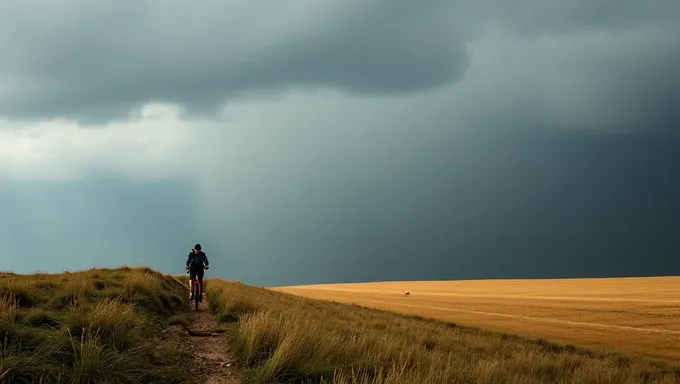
(311, 142)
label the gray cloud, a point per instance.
(104, 59)
(591, 79)
(449, 180)
(95, 61)
(287, 197)
(530, 17)
(291, 204)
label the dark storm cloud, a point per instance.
(531, 17)
(602, 80)
(101, 60)
(96, 60)
(452, 183)
(432, 204)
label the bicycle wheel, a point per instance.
(196, 294)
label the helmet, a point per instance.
(197, 247)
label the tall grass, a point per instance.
(284, 338)
(100, 325)
(8, 308)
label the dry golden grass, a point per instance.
(279, 337)
(100, 325)
(628, 315)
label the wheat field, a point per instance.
(278, 337)
(638, 316)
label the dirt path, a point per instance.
(211, 363)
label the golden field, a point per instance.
(638, 316)
(276, 337)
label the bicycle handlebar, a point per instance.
(187, 269)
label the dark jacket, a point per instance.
(196, 261)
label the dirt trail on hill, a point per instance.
(211, 360)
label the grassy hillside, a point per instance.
(279, 337)
(102, 325)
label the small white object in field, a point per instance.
(406, 293)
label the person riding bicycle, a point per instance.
(196, 262)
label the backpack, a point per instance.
(197, 260)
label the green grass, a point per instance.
(100, 325)
(281, 338)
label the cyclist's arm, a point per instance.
(205, 260)
(188, 260)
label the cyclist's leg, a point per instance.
(192, 276)
(200, 284)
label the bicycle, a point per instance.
(195, 286)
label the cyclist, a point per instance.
(195, 265)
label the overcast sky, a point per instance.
(309, 142)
